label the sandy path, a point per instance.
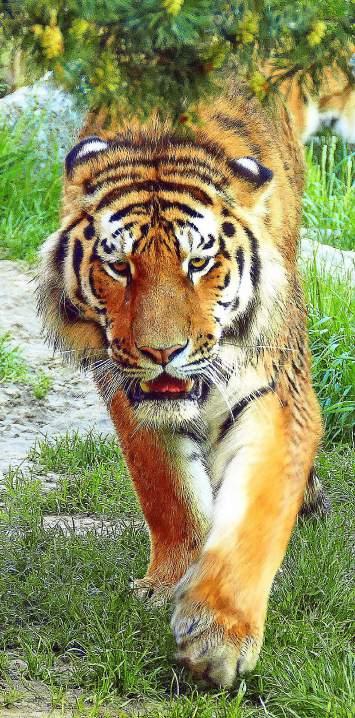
(71, 404)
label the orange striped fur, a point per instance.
(332, 104)
(173, 276)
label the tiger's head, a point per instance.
(160, 255)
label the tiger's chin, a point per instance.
(167, 400)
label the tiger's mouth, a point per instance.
(166, 387)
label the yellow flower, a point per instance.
(248, 28)
(106, 78)
(80, 28)
(317, 33)
(52, 41)
(37, 30)
(173, 7)
(259, 85)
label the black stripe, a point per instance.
(210, 243)
(91, 187)
(255, 259)
(227, 280)
(240, 406)
(222, 248)
(106, 247)
(241, 325)
(223, 304)
(193, 434)
(185, 162)
(67, 310)
(240, 260)
(166, 204)
(228, 229)
(240, 128)
(77, 260)
(61, 251)
(135, 208)
(144, 207)
(154, 186)
(244, 321)
(89, 231)
(92, 285)
(232, 123)
(195, 175)
(293, 384)
(194, 456)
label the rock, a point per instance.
(17, 667)
(53, 114)
(339, 263)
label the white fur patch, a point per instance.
(118, 240)
(197, 478)
(312, 120)
(91, 146)
(231, 503)
(191, 240)
(249, 164)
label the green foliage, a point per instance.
(41, 385)
(13, 368)
(67, 611)
(30, 186)
(331, 330)
(12, 364)
(132, 57)
(329, 199)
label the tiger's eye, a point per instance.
(198, 263)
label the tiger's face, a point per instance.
(161, 261)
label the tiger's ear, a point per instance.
(251, 170)
(87, 148)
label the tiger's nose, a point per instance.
(163, 355)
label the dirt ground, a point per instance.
(71, 404)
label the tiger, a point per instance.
(173, 278)
(332, 104)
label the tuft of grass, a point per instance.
(331, 311)
(92, 475)
(328, 203)
(65, 601)
(41, 385)
(13, 368)
(12, 364)
(30, 188)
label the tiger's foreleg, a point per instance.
(174, 490)
(222, 601)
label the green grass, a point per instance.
(64, 600)
(12, 364)
(329, 199)
(30, 189)
(14, 369)
(93, 476)
(331, 312)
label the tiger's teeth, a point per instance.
(189, 384)
(145, 387)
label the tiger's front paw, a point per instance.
(214, 645)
